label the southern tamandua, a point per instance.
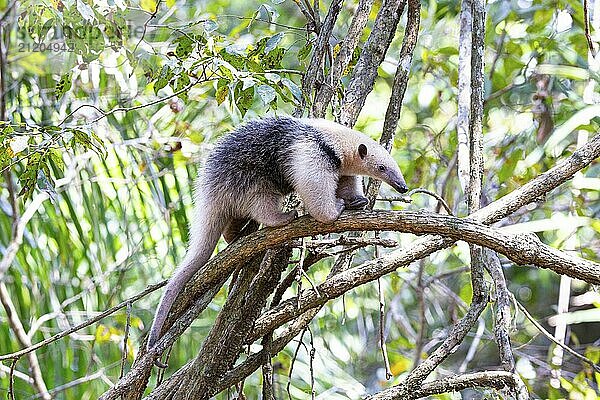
(250, 171)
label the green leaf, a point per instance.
(273, 59)
(63, 85)
(45, 183)
(273, 41)
(182, 81)
(267, 93)
(259, 48)
(185, 46)
(221, 94)
(248, 82)
(233, 58)
(273, 78)
(164, 78)
(86, 11)
(293, 88)
(57, 158)
(244, 98)
(210, 26)
(304, 51)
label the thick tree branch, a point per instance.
(341, 61)
(373, 52)
(477, 94)
(223, 344)
(314, 69)
(392, 114)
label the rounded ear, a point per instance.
(362, 150)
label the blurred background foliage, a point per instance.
(120, 183)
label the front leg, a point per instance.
(318, 192)
(350, 189)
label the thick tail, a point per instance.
(205, 231)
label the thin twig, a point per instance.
(382, 345)
(125, 339)
(406, 198)
(586, 22)
(102, 315)
(473, 346)
(498, 53)
(446, 274)
(293, 362)
(8, 11)
(105, 114)
(422, 323)
(311, 362)
(548, 335)
(150, 18)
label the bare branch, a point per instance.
(491, 379)
(84, 324)
(552, 339)
(373, 52)
(464, 93)
(586, 22)
(254, 361)
(314, 69)
(503, 318)
(477, 94)
(17, 327)
(341, 61)
(223, 344)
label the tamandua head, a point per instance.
(377, 163)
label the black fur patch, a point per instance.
(334, 159)
(258, 153)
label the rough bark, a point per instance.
(373, 52)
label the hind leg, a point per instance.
(267, 210)
(238, 228)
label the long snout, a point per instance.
(396, 180)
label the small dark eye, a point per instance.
(381, 168)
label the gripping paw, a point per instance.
(356, 203)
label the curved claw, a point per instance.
(357, 203)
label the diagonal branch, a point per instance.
(372, 55)
(392, 114)
(490, 379)
(314, 68)
(341, 61)
(224, 342)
